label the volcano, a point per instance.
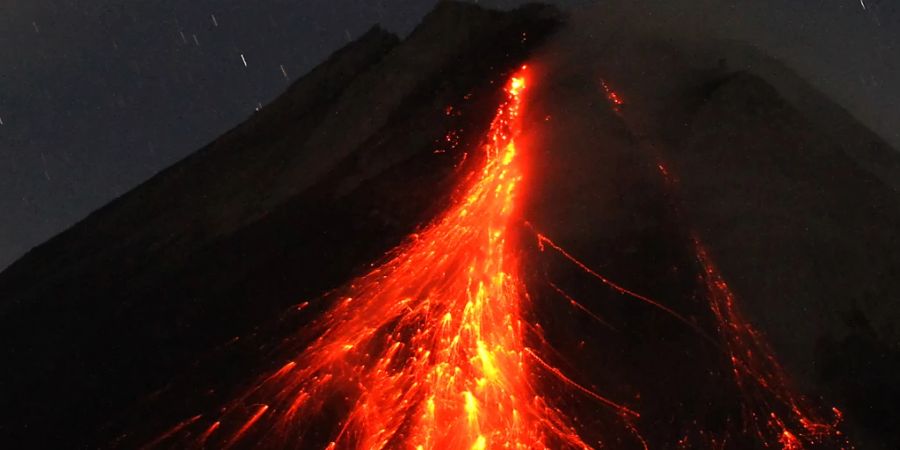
(476, 237)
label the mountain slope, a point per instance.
(796, 200)
(118, 305)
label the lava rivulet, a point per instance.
(427, 350)
(773, 411)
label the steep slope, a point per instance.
(796, 200)
(115, 307)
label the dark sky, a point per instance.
(98, 95)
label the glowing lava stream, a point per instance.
(427, 350)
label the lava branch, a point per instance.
(777, 413)
(545, 241)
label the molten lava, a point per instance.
(427, 350)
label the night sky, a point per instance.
(97, 96)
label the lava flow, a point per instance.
(426, 350)
(773, 412)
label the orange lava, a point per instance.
(773, 411)
(427, 351)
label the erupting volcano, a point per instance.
(425, 244)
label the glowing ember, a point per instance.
(614, 98)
